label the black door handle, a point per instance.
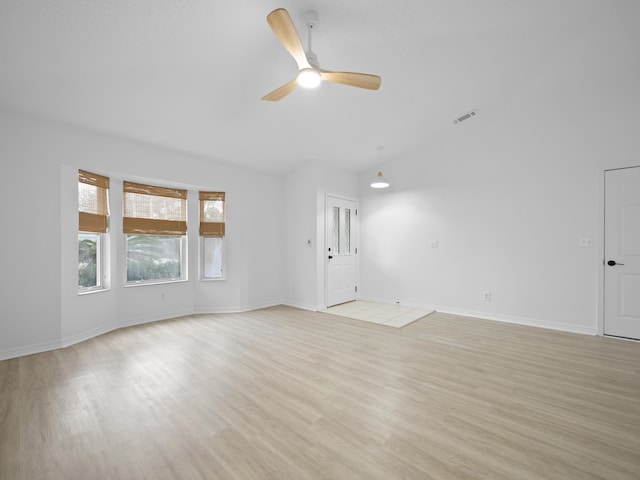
(612, 263)
(330, 257)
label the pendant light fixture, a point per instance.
(379, 181)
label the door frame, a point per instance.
(355, 242)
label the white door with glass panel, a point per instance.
(622, 253)
(341, 250)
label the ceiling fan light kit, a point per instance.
(309, 78)
(310, 75)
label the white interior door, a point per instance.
(341, 250)
(622, 253)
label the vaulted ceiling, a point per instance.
(189, 74)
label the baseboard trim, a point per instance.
(29, 350)
(70, 340)
(237, 309)
(88, 334)
(302, 306)
(563, 327)
(95, 332)
(153, 318)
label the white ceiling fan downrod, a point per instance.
(310, 77)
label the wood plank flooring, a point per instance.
(281, 393)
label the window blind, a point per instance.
(93, 202)
(212, 214)
(152, 210)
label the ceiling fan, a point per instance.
(309, 72)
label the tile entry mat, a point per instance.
(396, 316)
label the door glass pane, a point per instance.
(336, 230)
(347, 230)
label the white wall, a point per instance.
(40, 305)
(305, 194)
(509, 194)
(29, 242)
(505, 221)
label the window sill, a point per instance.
(151, 282)
(82, 293)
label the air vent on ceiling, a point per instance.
(466, 116)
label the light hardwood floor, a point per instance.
(282, 393)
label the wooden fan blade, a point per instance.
(285, 30)
(360, 80)
(282, 91)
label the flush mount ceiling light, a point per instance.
(379, 181)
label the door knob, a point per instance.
(330, 257)
(612, 263)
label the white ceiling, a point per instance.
(189, 74)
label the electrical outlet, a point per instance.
(585, 242)
(486, 296)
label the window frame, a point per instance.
(184, 263)
(223, 249)
(95, 226)
(101, 280)
(212, 228)
(141, 217)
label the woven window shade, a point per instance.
(212, 214)
(154, 210)
(93, 202)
